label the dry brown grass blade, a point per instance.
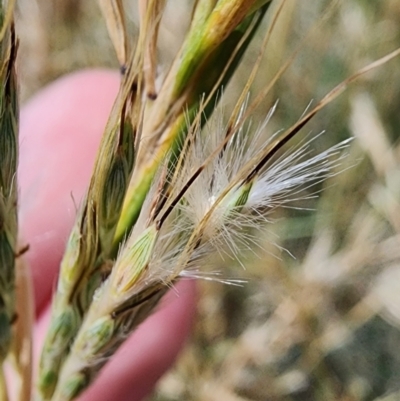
(114, 16)
(7, 18)
(151, 12)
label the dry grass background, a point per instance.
(324, 323)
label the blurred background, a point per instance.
(320, 321)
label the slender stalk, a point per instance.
(113, 13)
(3, 386)
(23, 329)
(153, 10)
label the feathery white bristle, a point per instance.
(220, 172)
(282, 181)
(279, 183)
(214, 276)
(220, 210)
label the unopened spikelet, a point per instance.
(8, 180)
(82, 265)
(209, 214)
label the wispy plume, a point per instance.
(215, 204)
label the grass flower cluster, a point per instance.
(175, 183)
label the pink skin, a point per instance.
(60, 133)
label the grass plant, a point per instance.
(179, 186)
